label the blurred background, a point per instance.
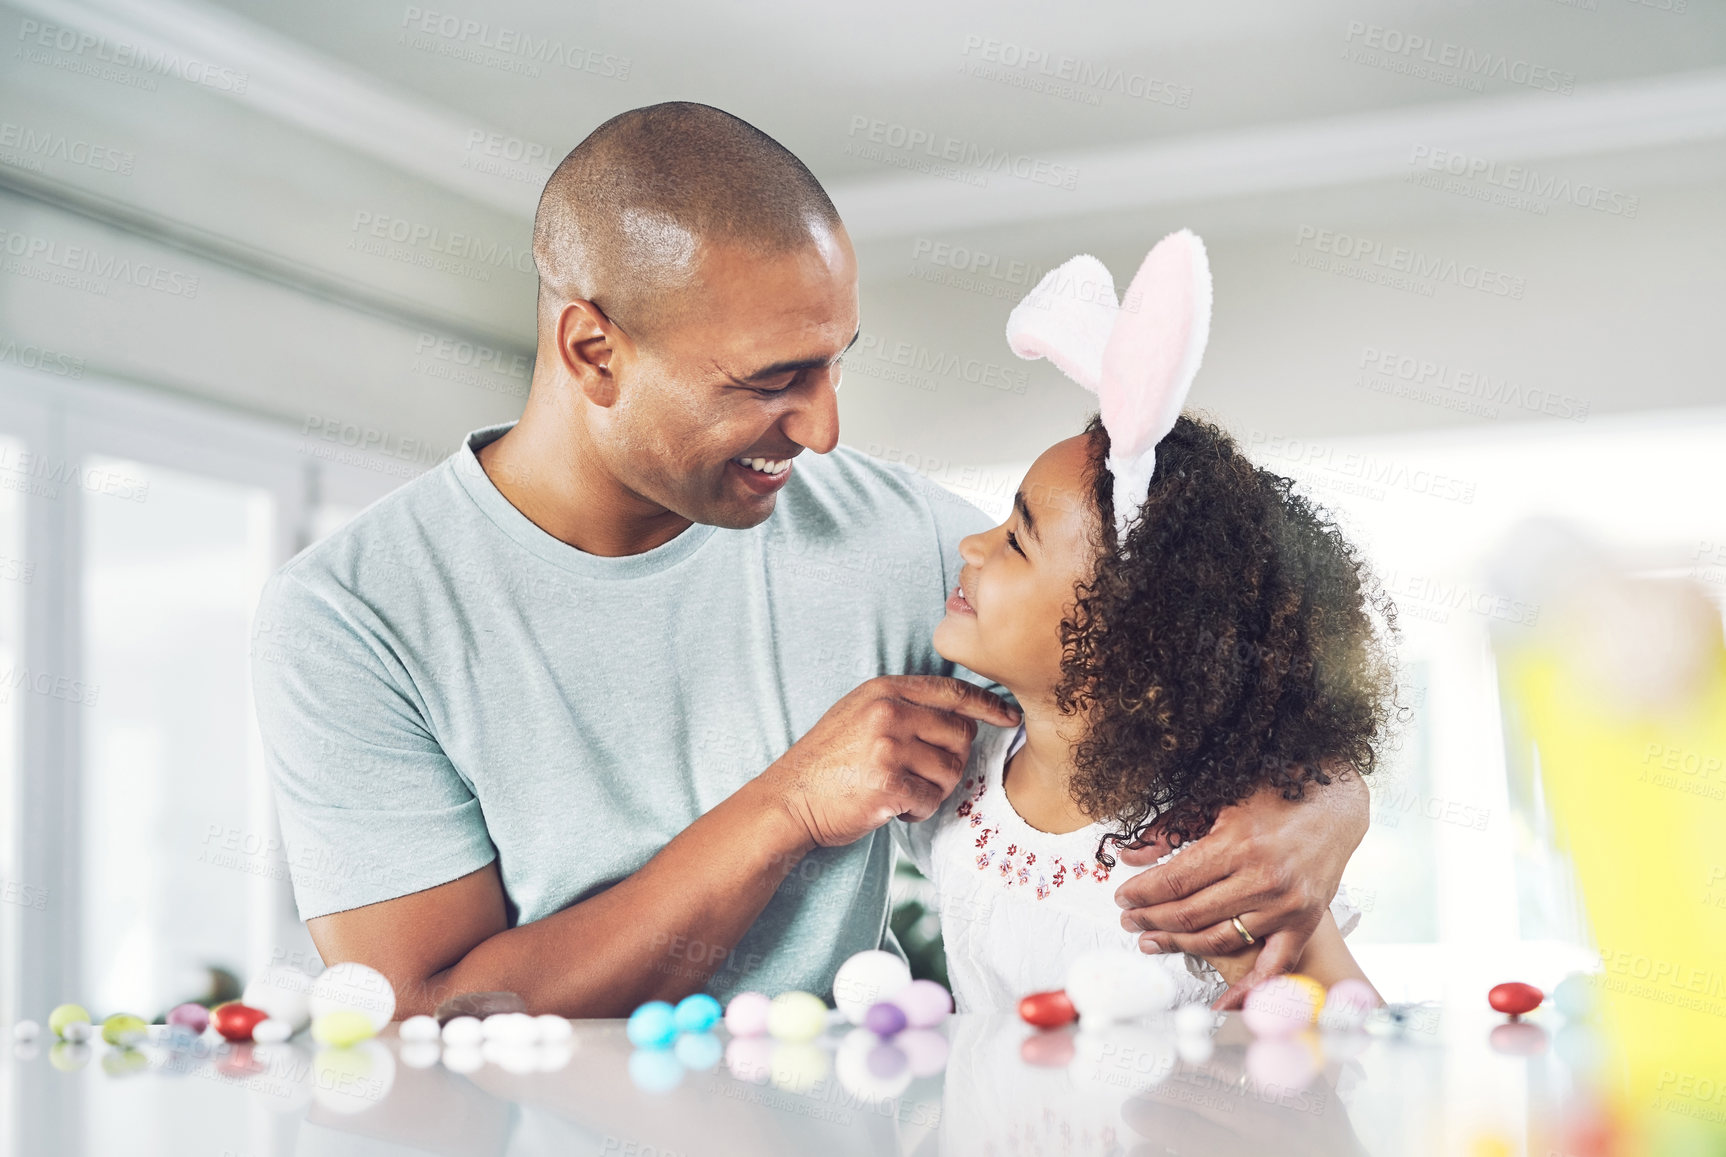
(262, 262)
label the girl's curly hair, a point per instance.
(1233, 646)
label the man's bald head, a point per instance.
(624, 217)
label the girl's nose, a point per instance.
(971, 549)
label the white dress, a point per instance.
(1017, 905)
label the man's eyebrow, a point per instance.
(1024, 510)
(798, 365)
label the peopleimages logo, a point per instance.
(1401, 260)
(939, 147)
(160, 62)
(1474, 64)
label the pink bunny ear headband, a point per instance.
(1138, 358)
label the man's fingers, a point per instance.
(1281, 953)
(1192, 871)
(955, 695)
(1217, 940)
(1216, 904)
(916, 798)
(942, 729)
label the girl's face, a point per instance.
(1003, 621)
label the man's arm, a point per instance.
(894, 746)
(1273, 863)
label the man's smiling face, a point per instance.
(713, 407)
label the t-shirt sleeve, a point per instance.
(370, 807)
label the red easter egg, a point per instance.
(1048, 1009)
(235, 1021)
(1515, 998)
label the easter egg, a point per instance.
(1283, 1005)
(195, 1018)
(235, 1021)
(1347, 1005)
(1107, 985)
(464, 1032)
(419, 1028)
(1515, 998)
(1194, 1020)
(352, 987)
(796, 1017)
(652, 1026)
(697, 1012)
(65, 1016)
(26, 1031)
(746, 1015)
(271, 1031)
(1047, 1009)
(867, 979)
(884, 1019)
(511, 1028)
(283, 993)
(343, 1028)
(77, 1032)
(124, 1029)
(925, 1002)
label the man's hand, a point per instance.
(1273, 863)
(893, 747)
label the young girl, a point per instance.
(1180, 630)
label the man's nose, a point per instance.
(814, 423)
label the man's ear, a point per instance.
(587, 342)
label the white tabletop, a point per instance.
(1436, 1084)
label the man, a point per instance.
(598, 711)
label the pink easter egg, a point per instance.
(746, 1015)
(925, 1002)
(194, 1017)
(1282, 1006)
(1347, 1005)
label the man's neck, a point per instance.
(545, 467)
(1037, 779)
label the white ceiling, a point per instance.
(350, 109)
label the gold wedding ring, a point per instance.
(1246, 937)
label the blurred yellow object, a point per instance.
(1637, 790)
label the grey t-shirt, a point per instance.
(441, 683)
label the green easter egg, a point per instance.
(67, 1014)
(343, 1028)
(124, 1029)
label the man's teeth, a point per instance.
(765, 465)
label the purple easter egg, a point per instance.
(884, 1019)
